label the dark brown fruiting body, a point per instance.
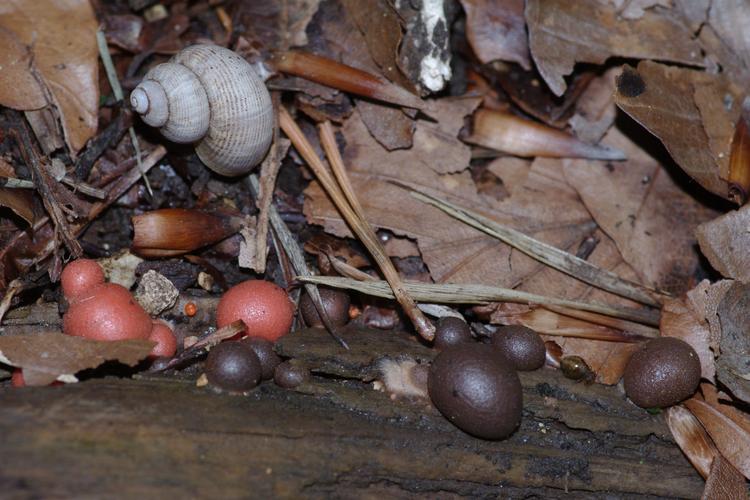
(451, 331)
(289, 375)
(521, 346)
(335, 302)
(233, 366)
(663, 372)
(268, 358)
(476, 392)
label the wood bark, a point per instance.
(335, 437)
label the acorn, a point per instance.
(663, 372)
(335, 302)
(451, 331)
(521, 346)
(233, 366)
(475, 392)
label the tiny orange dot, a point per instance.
(354, 311)
(191, 309)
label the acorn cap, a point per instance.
(475, 392)
(521, 346)
(663, 372)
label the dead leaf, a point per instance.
(724, 481)
(679, 320)
(21, 201)
(54, 356)
(275, 25)
(704, 300)
(496, 30)
(562, 33)
(634, 202)
(730, 19)
(661, 98)
(732, 440)
(724, 241)
(62, 38)
(733, 364)
(635, 9)
(692, 439)
(19, 89)
(381, 28)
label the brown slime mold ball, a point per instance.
(521, 346)
(233, 366)
(268, 358)
(475, 392)
(335, 302)
(663, 372)
(289, 375)
(451, 331)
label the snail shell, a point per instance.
(209, 95)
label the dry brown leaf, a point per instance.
(704, 300)
(62, 38)
(634, 202)
(595, 110)
(562, 33)
(730, 19)
(19, 89)
(732, 367)
(732, 440)
(724, 482)
(725, 240)
(547, 208)
(276, 25)
(54, 356)
(21, 201)
(381, 28)
(635, 9)
(662, 99)
(679, 320)
(342, 40)
(496, 30)
(692, 439)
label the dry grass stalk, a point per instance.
(368, 236)
(449, 293)
(544, 253)
(599, 319)
(297, 258)
(359, 226)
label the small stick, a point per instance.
(14, 287)
(114, 82)
(360, 227)
(205, 344)
(620, 324)
(368, 236)
(294, 252)
(450, 293)
(544, 253)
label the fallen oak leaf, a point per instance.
(562, 33)
(723, 241)
(662, 99)
(52, 356)
(692, 439)
(732, 440)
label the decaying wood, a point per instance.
(163, 437)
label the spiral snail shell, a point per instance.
(212, 96)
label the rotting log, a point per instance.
(157, 437)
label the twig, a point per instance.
(14, 287)
(349, 210)
(43, 182)
(114, 82)
(204, 344)
(298, 262)
(544, 253)
(620, 324)
(481, 294)
(269, 169)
